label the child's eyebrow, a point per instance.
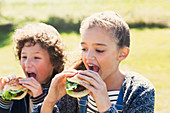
(37, 52)
(34, 52)
(83, 43)
(23, 53)
(98, 44)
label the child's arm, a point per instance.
(143, 104)
(141, 99)
(56, 91)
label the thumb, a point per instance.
(30, 93)
(3, 81)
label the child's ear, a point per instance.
(123, 53)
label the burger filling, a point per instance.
(8, 95)
(79, 88)
(71, 86)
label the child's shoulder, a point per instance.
(137, 80)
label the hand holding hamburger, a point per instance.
(12, 89)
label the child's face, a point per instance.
(99, 52)
(35, 62)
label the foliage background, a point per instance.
(148, 20)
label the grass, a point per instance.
(149, 55)
(133, 11)
(149, 51)
(9, 64)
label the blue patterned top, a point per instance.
(138, 97)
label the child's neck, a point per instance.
(114, 82)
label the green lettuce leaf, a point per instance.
(1, 92)
(70, 86)
(11, 93)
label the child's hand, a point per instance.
(33, 85)
(3, 81)
(57, 87)
(98, 89)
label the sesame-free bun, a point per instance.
(13, 84)
(79, 94)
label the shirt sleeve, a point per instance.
(139, 95)
(143, 103)
(40, 98)
(112, 109)
(5, 104)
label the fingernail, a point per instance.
(20, 80)
(6, 79)
(13, 76)
(79, 75)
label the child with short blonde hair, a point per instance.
(105, 41)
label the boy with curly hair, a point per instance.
(40, 52)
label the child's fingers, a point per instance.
(93, 78)
(91, 74)
(70, 74)
(11, 77)
(88, 86)
(70, 71)
(33, 85)
(59, 78)
(31, 81)
(1, 83)
(30, 93)
(6, 79)
(66, 74)
(3, 80)
(91, 81)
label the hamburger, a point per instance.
(74, 88)
(13, 90)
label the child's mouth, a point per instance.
(31, 74)
(93, 67)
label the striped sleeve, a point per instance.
(5, 104)
(39, 99)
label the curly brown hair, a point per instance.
(48, 38)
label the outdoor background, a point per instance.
(149, 22)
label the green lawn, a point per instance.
(133, 11)
(149, 55)
(149, 51)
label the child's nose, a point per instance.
(28, 63)
(90, 55)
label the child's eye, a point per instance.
(100, 51)
(83, 49)
(23, 57)
(37, 57)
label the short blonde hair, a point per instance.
(111, 22)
